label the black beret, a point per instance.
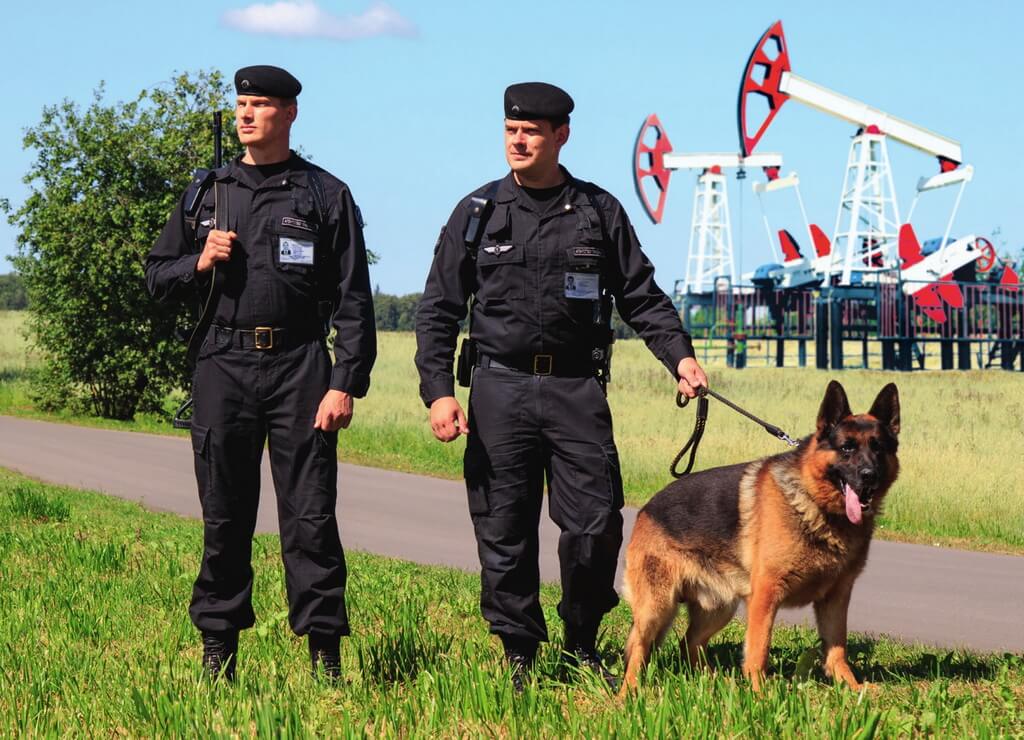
(263, 79)
(528, 101)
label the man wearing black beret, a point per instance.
(543, 257)
(273, 245)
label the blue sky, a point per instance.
(403, 100)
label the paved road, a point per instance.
(924, 594)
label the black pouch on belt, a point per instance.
(468, 357)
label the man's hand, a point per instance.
(217, 249)
(335, 411)
(447, 419)
(691, 377)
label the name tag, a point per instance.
(296, 223)
(295, 251)
(585, 285)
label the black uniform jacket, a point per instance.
(259, 285)
(519, 280)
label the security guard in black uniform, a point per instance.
(280, 243)
(542, 255)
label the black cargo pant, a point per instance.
(243, 397)
(525, 429)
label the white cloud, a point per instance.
(306, 18)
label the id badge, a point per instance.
(295, 251)
(585, 285)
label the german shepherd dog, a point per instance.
(783, 531)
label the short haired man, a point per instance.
(542, 254)
(282, 242)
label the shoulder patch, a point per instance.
(440, 238)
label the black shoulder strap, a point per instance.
(201, 180)
(606, 306)
(600, 212)
(479, 210)
(220, 206)
(316, 186)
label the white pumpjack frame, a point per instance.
(882, 228)
(794, 273)
(868, 224)
(939, 264)
(710, 251)
(862, 114)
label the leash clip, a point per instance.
(787, 439)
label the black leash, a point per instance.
(702, 419)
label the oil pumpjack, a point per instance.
(710, 252)
(869, 239)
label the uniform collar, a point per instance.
(295, 173)
(510, 192)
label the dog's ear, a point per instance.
(886, 408)
(834, 408)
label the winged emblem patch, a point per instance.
(498, 249)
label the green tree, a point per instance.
(12, 293)
(102, 184)
(395, 312)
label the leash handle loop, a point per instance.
(702, 418)
(698, 431)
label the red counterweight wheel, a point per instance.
(987, 254)
(649, 167)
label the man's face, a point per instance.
(262, 120)
(533, 146)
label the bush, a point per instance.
(12, 293)
(102, 185)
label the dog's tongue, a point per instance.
(853, 510)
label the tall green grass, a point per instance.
(15, 359)
(96, 641)
(962, 479)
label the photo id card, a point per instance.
(295, 251)
(585, 285)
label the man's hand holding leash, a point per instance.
(691, 377)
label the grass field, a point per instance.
(96, 641)
(962, 480)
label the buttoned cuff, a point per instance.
(677, 350)
(435, 388)
(354, 383)
(188, 275)
(187, 271)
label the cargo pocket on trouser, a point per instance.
(614, 473)
(201, 451)
(476, 469)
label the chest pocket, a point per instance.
(500, 262)
(587, 257)
(295, 250)
(501, 270)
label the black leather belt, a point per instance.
(561, 366)
(263, 338)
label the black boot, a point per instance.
(325, 657)
(581, 652)
(220, 650)
(520, 653)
